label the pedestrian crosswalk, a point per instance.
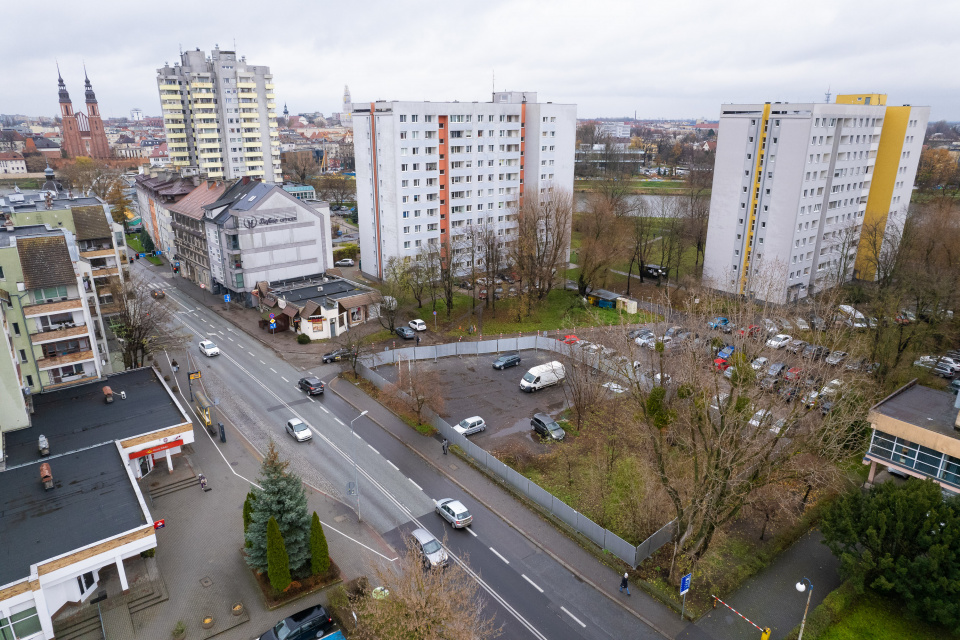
(154, 285)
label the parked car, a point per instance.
(312, 385)
(346, 262)
(655, 271)
(779, 341)
(761, 417)
(818, 323)
(954, 386)
(454, 512)
(571, 339)
(719, 400)
(801, 324)
(776, 369)
(336, 356)
(793, 374)
(944, 370)
(543, 375)
(790, 391)
(726, 352)
(158, 294)
(857, 364)
(613, 387)
(796, 346)
(546, 427)
(633, 334)
(311, 623)
(926, 362)
(429, 548)
(405, 332)
(209, 349)
(814, 352)
(718, 323)
(784, 323)
(751, 331)
(506, 361)
(759, 363)
(721, 365)
(299, 431)
(418, 325)
(836, 358)
(769, 326)
(673, 331)
(769, 383)
(469, 426)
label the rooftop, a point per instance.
(7, 237)
(46, 262)
(92, 499)
(76, 417)
(35, 201)
(922, 407)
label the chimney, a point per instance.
(48, 199)
(107, 395)
(46, 476)
(246, 180)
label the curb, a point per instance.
(509, 522)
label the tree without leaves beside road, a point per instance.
(640, 234)
(416, 389)
(489, 255)
(140, 323)
(541, 251)
(393, 289)
(424, 604)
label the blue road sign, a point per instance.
(271, 317)
(143, 255)
(176, 264)
(158, 252)
(226, 297)
(685, 583)
(434, 313)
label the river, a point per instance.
(651, 202)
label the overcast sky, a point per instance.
(661, 60)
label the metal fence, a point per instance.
(603, 538)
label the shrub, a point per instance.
(303, 339)
(278, 563)
(319, 552)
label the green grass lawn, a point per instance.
(133, 241)
(878, 618)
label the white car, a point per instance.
(468, 426)
(454, 512)
(759, 363)
(801, 324)
(346, 262)
(779, 341)
(614, 387)
(760, 417)
(418, 325)
(209, 349)
(299, 431)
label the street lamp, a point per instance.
(356, 473)
(801, 588)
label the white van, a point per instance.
(852, 318)
(542, 376)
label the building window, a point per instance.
(16, 328)
(406, 244)
(23, 355)
(24, 624)
(29, 381)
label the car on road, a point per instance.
(779, 341)
(158, 294)
(506, 361)
(336, 356)
(655, 271)
(469, 426)
(418, 325)
(312, 385)
(836, 357)
(571, 339)
(405, 332)
(310, 623)
(346, 262)
(454, 512)
(429, 548)
(719, 323)
(209, 349)
(545, 426)
(299, 431)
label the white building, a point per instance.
(219, 114)
(428, 169)
(613, 129)
(12, 162)
(258, 232)
(794, 186)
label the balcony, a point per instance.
(98, 253)
(246, 85)
(47, 308)
(53, 334)
(201, 85)
(210, 154)
(177, 135)
(169, 87)
(105, 272)
(54, 362)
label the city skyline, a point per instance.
(620, 58)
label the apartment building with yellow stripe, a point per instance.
(796, 184)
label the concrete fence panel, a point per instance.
(619, 547)
(566, 513)
(589, 528)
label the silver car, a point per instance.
(429, 548)
(454, 512)
(299, 431)
(469, 426)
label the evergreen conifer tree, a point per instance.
(319, 553)
(248, 515)
(278, 564)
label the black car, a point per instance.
(769, 383)
(405, 332)
(312, 385)
(814, 352)
(818, 323)
(336, 356)
(506, 361)
(790, 392)
(655, 271)
(310, 623)
(545, 426)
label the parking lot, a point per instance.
(474, 388)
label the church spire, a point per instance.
(286, 112)
(90, 95)
(64, 96)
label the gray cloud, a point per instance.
(610, 57)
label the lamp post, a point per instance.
(356, 472)
(801, 588)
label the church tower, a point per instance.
(69, 129)
(98, 147)
(83, 133)
(346, 115)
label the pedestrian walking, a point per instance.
(418, 341)
(445, 445)
(625, 584)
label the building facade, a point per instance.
(156, 193)
(795, 185)
(12, 162)
(219, 114)
(83, 133)
(191, 258)
(427, 171)
(258, 232)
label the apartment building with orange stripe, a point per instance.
(795, 185)
(429, 171)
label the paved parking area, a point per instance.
(474, 388)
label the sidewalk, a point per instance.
(536, 529)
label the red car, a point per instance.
(721, 364)
(794, 373)
(751, 331)
(570, 339)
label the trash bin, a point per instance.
(223, 434)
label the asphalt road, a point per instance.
(532, 595)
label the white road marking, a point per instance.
(230, 339)
(272, 369)
(325, 410)
(535, 585)
(470, 531)
(393, 465)
(372, 449)
(284, 379)
(574, 617)
(340, 421)
(262, 362)
(251, 353)
(415, 484)
(498, 555)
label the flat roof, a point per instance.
(922, 407)
(76, 417)
(92, 499)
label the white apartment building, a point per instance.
(219, 114)
(794, 186)
(429, 169)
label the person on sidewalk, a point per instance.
(625, 584)
(445, 445)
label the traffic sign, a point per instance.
(143, 255)
(434, 313)
(271, 316)
(177, 263)
(203, 286)
(159, 524)
(685, 583)
(194, 375)
(226, 297)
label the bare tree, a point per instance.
(601, 242)
(393, 289)
(300, 166)
(672, 241)
(141, 323)
(582, 385)
(541, 251)
(419, 604)
(89, 175)
(640, 234)
(487, 241)
(416, 389)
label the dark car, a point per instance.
(818, 323)
(769, 383)
(814, 352)
(335, 356)
(405, 332)
(791, 391)
(655, 271)
(826, 407)
(506, 361)
(777, 369)
(158, 294)
(642, 332)
(547, 427)
(309, 623)
(796, 346)
(312, 385)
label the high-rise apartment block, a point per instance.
(219, 115)
(796, 185)
(428, 171)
